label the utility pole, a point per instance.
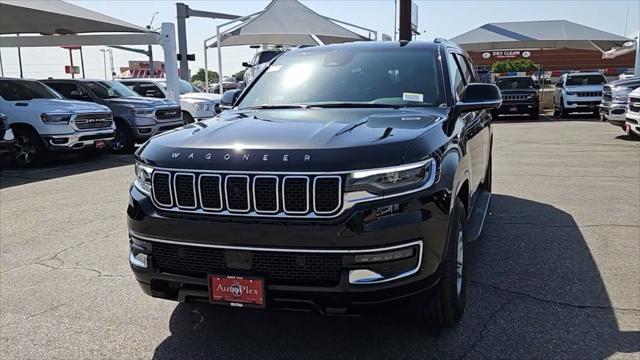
(111, 63)
(82, 63)
(183, 13)
(73, 76)
(104, 61)
(405, 20)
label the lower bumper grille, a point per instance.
(280, 268)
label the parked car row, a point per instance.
(90, 116)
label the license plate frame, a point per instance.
(237, 290)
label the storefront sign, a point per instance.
(506, 54)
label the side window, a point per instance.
(469, 77)
(68, 90)
(455, 75)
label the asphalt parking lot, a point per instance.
(556, 273)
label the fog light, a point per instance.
(144, 130)
(59, 141)
(138, 260)
(381, 257)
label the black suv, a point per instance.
(519, 96)
(344, 176)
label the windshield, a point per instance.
(184, 86)
(21, 90)
(267, 56)
(585, 80)
(109, 89)
(401, 77)
(515, 83)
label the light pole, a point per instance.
(104, 61)
(152, 70)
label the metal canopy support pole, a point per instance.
(73, 76)
(82, 63)
(20, 59)
(219, 41)
(168, 43)
(405, 20)
(636, 68)
(183, 13)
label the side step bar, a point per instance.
(473, 227)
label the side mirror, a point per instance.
(229, 98)
(246, 64)
(478, 96)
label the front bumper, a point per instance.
(582, 103)
(420, 224)
(613, 112)
(518, 108)
(142, 133)
(632, 123)
(78, 140)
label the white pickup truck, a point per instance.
(195, 105)
(578, 92)
(43, 121)
(632, 124)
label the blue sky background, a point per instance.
(437, 19)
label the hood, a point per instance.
(294, 139)
(59, 105)
(631, 83)
(584, 87)
(200, 96)
(139, 101)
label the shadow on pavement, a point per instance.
(628, 137)
(534, 292)
(60, 166)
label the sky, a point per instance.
(436, 19)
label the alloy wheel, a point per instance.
(25, 150)
(119, 140)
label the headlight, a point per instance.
(141, 112)
(570, 93)
(620, 93)
(203, 106)
(55, 119)
(143, 178)
(392, 179)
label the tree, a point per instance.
(239, 76)
(513, 65)
(199, 76)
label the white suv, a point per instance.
(632, 124)
(578, 92)
(195, 105)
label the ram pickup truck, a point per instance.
(519, 96)
(42, 121)
(578, 92)
(137, 118)
(195, 105)
(344, 177)
(615, 97)
(632, 123)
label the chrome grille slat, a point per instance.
(227, 194)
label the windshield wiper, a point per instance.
(283, 106)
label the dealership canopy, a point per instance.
(56, 17)
(552, 34)
(287, 22)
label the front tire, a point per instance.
(29, 148)
(446, 306)
(564, 113)
(123, 141)
(188, 119)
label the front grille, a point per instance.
(515, 97)
(168, 114)
(279, 268)
(248, 194)
(589, 93)
(93, 121)
(634, 103)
